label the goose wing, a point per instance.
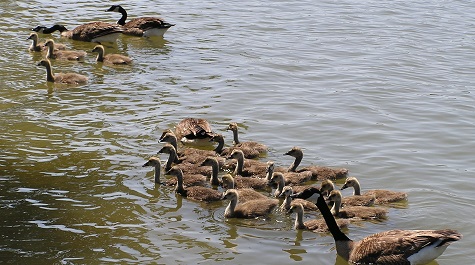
(397, 246)
(193, 128)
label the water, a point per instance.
(380, 87)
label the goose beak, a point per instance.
(146, 164)
(281, 195)
(343, 187)
(223, 196)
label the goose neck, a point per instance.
(171, 159)
(157, 173)
(299, 220)
(296, 163)
(230, 208)
(100, 55)
(239, 165)
(357, 188)
(49, 73)
(179, 182)
(214, 173)
(219, 148)
(235, 137)
(123, 18)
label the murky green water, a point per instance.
(383, 88)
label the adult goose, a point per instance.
(245, 194)
(318, 172)
(142, 26)
(53, 53)
(62, 78)
(354, 212)
(39, 46)
(408, 247)
(249, 209)
(381, 196)
(289, 201)
(198, 193)
(91, 32)
(191, 130)
(110, 58)
(253, 147)
(314, 225)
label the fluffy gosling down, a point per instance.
(110, 58)
(62, 78)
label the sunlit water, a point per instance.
(383, 88)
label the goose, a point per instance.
(381, 196)
(64, 78)
(142, 26)
(38, 46)
(253, 167)
(354, 212)
(213, 163)
(289, 201)
(410, 247)
(188, 180)
(252, 182)
(187, 154)
(249, 209)
(279, 179)
(185, 166)
(198, 193)
(245, 194)
(291, 178)
(64, 55)
(155, 163)
(314, 225)
(190, 130)
(252, 146)
(357, 200)
(110, 58)
(218, 138)
(91, 32)
(318, 172)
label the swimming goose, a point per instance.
(198, 193)
(110, 58)
(356, 200)
(356, 212)
(39, 46)
(251, 146)
(142, 26)
(249, 209)
(155, 163)
(318, 172)
(291, 178)
(189, 179)
(245, 194)
(188, 154)
(64, 78)
(190, 130)
(410, 247)
(92, 32)
(381, 196)
(213, 163)
(314, 225)
(185, 166)
(289, 201)
(218, 138)
(253, 167)
(279, 179)
(53, 53)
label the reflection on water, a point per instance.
(385, 93)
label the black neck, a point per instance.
(123, 18)
(337, 234)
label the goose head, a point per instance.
(296, 208)
(236, 154)
(165, 134)
(49, 43)
(286, 192)
(217, 138)
(33, 36)
(152, 162)
(228, 181)
(295, 152)
(174, 171)
(335, 196)
(98, 48)
(327, 186)
(167, 149)
(350, 182)
(232, 127)
(44, 63)
(270, 167)
(230, 194)
(114, 8)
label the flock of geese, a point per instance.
(246, 179)
(92, 32)
(256, 189)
